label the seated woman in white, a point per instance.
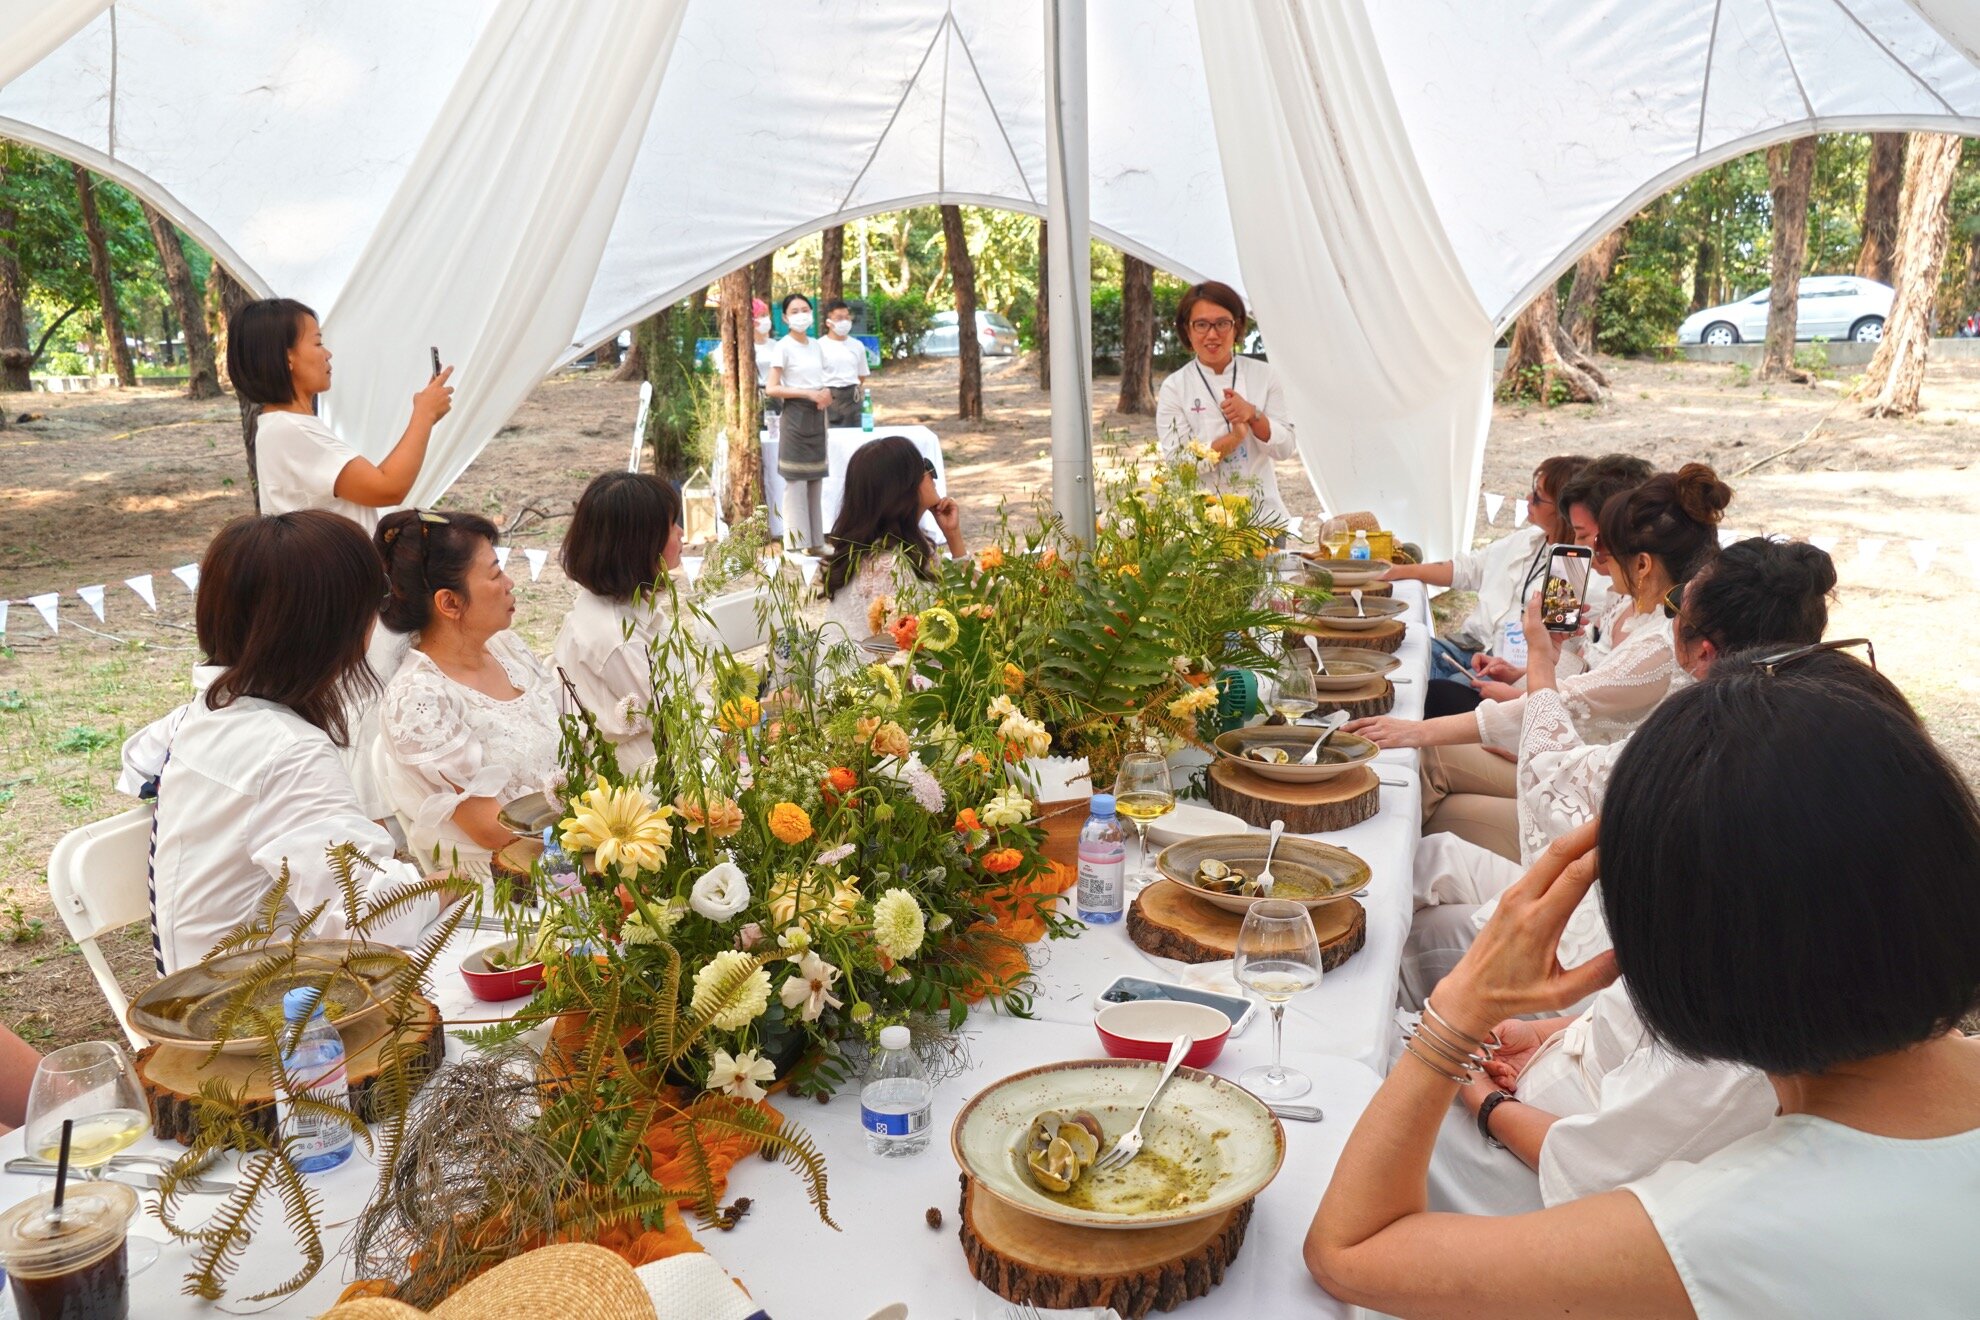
(878, 548)
(247, 777)
(1733, 858)
(624, 539)
(470, 721)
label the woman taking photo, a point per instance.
(247, 777)
(797, 377)
(1859, 1197)
(624, 539)
(878, 546)
(1228, 406)
(470, 721)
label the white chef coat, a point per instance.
(1189, 408)
(296, 463)
(845, 361)
(246, 790)
(803, 364)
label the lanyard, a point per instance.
(1215, 402)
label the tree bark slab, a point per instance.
(1370, 699)
(1170, 922)
(1386, 636)
(1332, 804)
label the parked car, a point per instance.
(998, 337)
(1834, 307)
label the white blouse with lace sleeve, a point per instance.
(442, 742)
(844, 617)
(1607, 701)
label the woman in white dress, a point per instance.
(1228, 407)
(878, 546)
(623, 541)
(247, 777)
(797, 377)
(1740, 884)
(470, 721)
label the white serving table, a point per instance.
(840, 442)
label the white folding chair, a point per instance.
(97, 880)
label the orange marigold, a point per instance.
(990, 558)
(999, 860)
(790, 822)
(841, 780)
(966, 820)
(904, 630)
(1013, 677)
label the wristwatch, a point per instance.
(1493, 1101)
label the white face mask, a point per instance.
(798, 320)
(763, 325)
(840, 328)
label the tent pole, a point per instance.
(1069, 265)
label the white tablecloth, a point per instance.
(840, 442)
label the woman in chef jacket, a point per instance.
(1228, 407)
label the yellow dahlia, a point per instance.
(743, 1006)
(737, 714)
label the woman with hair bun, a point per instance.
(470, 721)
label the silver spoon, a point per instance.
(1265, 880)
(1313, 645)
(1329, 724)
(1359, 611)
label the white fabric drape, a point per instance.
(492, 241)
(1958, 21)
(33, 28)
(1381, 345)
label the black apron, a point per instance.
(801, 441)
(845, 406)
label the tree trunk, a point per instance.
(1137, 334)
(633, 365)
(1881, 194)
(1791, 172)
(15, 356)
(762, 275)
(1703, 264)
(832, 263)
(1590, 274)
(969, 349)
(1044, 318)
(202, 382)
(608, 354)
(233, 296)
(106, 281)
(1890, 385)
(1544, 364)
(745, 486)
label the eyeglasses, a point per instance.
(1767, 664)
(1222, 326)
(928, 465)
(1534, 499)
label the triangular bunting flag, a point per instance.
(1922, 554)
(502, 557)
(44, 605)
(188, 574)
(141, 584)
(536, 560)
(3, 616)
(1294, 526)
(93, 597)
(1493, 503)
(1519, 513)
(1867, 551)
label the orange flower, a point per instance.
(966, 820)
(1013, 677)
(991, 558)
(1000, 860)
(841, 780)
(1049, 558)
(904, 630)
(790, 822)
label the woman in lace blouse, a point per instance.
(470, 720)
(878, 547)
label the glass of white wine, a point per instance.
(1278, 955)
(1296, 696)
(1144, 792)
(95, 1087)
(1336, 537)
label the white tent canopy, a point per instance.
(279, 133)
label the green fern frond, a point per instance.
(792, 1145)
(302, 1210)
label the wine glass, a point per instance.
(1336, 537)
(1278, 955)
(93, 1085)
(1296, 695)
(1143, 792)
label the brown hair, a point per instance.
(618, 535)
(1551, 478)
(881, 511)
(1215, 291)
(425, 552)
(1673, 517)
(1600, 480)
(289, 601)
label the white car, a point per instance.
(997, 336)
(1833, 307)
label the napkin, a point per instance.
(695, 1284)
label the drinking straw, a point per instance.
(62, 1165)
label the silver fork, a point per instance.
(1129, 1145)
(1026, 1311)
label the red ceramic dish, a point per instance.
(507, 983)
(1146, 1028)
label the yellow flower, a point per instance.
(796, 901)
(737, 714)
(887, 685)
(890, 739)
(1202, 451)
(721, 818)
(877, 611)
(1003, 708)
(743, 1006)
(1192, 701)
(1130, 570)
(1013, 676)
(898, 925)
(939, 629)
(618, 827)
(1216, 515)
(990, 558)
(1026, 733)
(1006, 809)
(790, 822)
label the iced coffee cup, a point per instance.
(70, 1266)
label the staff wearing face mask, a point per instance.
(1229, 405)
(845, 364)
(797, 376)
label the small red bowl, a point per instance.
(494, 985)
(1147, 1028)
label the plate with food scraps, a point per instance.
(1348, 667)
(530, 813)
(1374, 612)
(1222, 870)
(1208, 1144)
(1274, 751)
(197, 1005)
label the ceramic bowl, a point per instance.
(1348, 667)
(1344, 753)
(1320, 872)
(494, 984)
(1147, 1028)
(1375, 611)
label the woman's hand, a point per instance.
(1499, 671)
(1388, 731)
(823, 398)
(1521, 1041)
(1514, 967)
(435, 401)
(1237, 409)
(948, 517)
(1497, 691)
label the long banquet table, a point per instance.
(1339, 1034)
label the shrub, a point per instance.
(1639, 311)
(899, 322)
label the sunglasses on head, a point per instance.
(1775, 660)
(1674, 601)
(928, 465)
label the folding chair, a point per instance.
(97, 880)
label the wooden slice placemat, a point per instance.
(1332, 804)
(172, 1075)
(1022, 1258)
(1386, 636)
(1375, 697)
(1168, 921)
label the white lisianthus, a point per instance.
(740, 1075)
(721, 892)
(1006, 809)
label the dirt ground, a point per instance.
(102, 487)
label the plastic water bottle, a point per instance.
(1102, 864)
(316, 1066)
(1360, 549)
(866, 412)
(896, 1100)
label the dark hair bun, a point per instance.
(1802, 569)
(1701, 494)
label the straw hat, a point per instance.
(569, 1282)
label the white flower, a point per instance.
(833, 856)
(940, 922)
(721, 892)
(740, 1075)
(811, 987)
(794, 940)
(926, 788)
(898, 924)
(745, 1005)
(1001, 709)
(1006, 809)
(666, 916)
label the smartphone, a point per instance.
(1567, 586)
(436, 360)
(1237, 1008)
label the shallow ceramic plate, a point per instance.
(529, 813)
(187, 1007)
(1348, 667)
(1376, 611)
(1343, 753)
(1349, 572)
(1208, 1145)
(1192, 820)
(1303, 870)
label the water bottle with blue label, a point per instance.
(315, 1067)
(1102, 864)
(1512, 642)
(894, 1104)
(1360, 549)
